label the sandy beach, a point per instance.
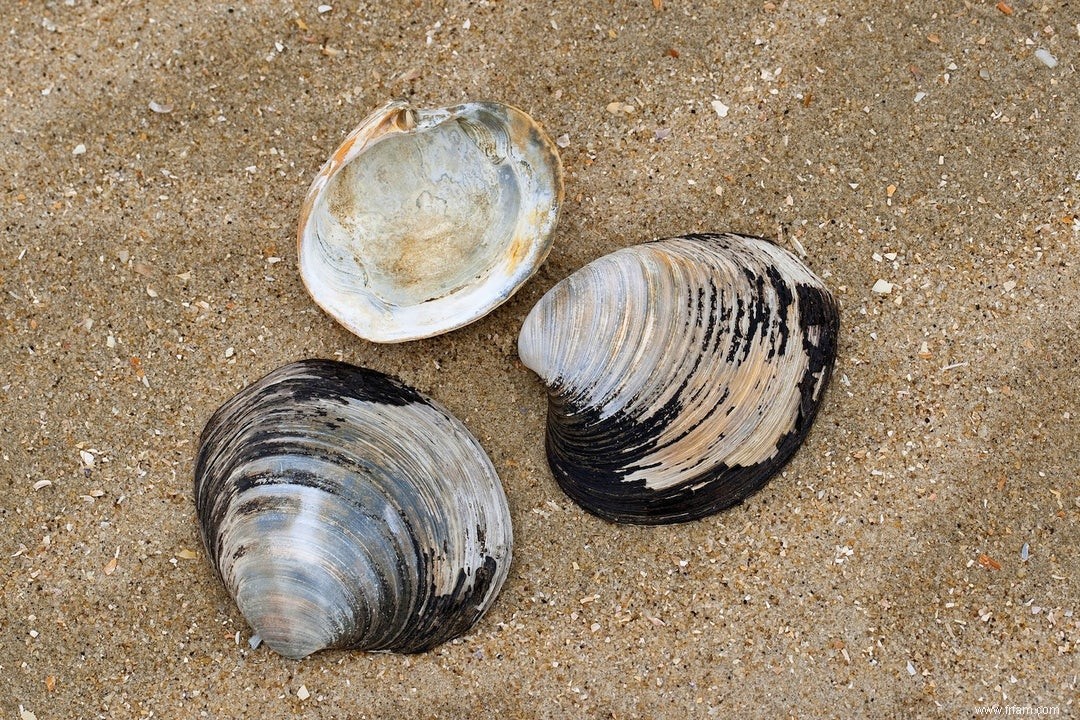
(916, 558)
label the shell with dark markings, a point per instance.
(343, 509)
(425, 220)
(682, 373)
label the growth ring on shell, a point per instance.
(425, 220)
(681, 373)
(344, 509)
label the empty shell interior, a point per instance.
(426, 220)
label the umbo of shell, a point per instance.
(682, 373)
(343, 509)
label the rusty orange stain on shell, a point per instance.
(342, 152)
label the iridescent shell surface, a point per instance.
(343, 509)
(425, 220)
(682, 373)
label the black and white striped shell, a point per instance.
(682, 373)
(343, 509)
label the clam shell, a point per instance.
(425, 220)
(343, 509)
(681, 373)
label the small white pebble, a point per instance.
(720, 108)
(919, 96)
(563, 140)
(229, 352)
(1046, 58)
(87, 458)
(160, 108)
(254, 641)
(325, 8)
(882, 287)
(42, 484)
(467, 24)
(303, 693)
(1024, 553)
(910, 668)
(80, 149)
(1009, 285)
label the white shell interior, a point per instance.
(425, 220)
